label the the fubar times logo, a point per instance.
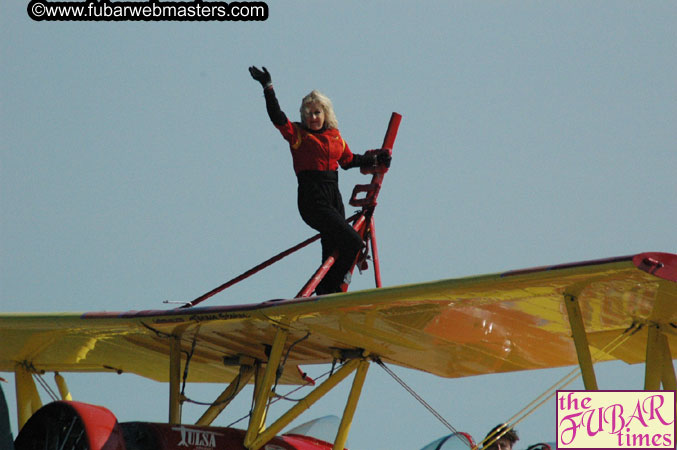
(616, 420)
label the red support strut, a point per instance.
(374, 253)
(310, 286)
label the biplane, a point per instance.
(622, 308)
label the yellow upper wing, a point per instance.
(452, 328)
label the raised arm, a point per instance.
(277, 116)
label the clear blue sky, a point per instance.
(138, 165)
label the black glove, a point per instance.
(262, 76)
(383, 158)
(371, 159)
(358, 160)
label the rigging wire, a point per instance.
(280, 369)
(219, 403)
(37, 375)
(188, 358)
(437, 415)
(558, 385)
(282, 397)
(533, 405)
(46, 386)
(158, 333)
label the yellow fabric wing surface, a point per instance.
(452, 328)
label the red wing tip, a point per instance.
(662, 265)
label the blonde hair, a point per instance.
(318, 97)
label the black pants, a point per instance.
(321, 207)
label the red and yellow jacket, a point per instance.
(322, 150)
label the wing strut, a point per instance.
(658, 368)
(63, 387)
(223, 400)
(351, 405)
(258, 434)
(669, 379)
(174, 380)
(580, 341)
(27, 397)
(264, 390)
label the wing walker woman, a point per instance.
(317, 150)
